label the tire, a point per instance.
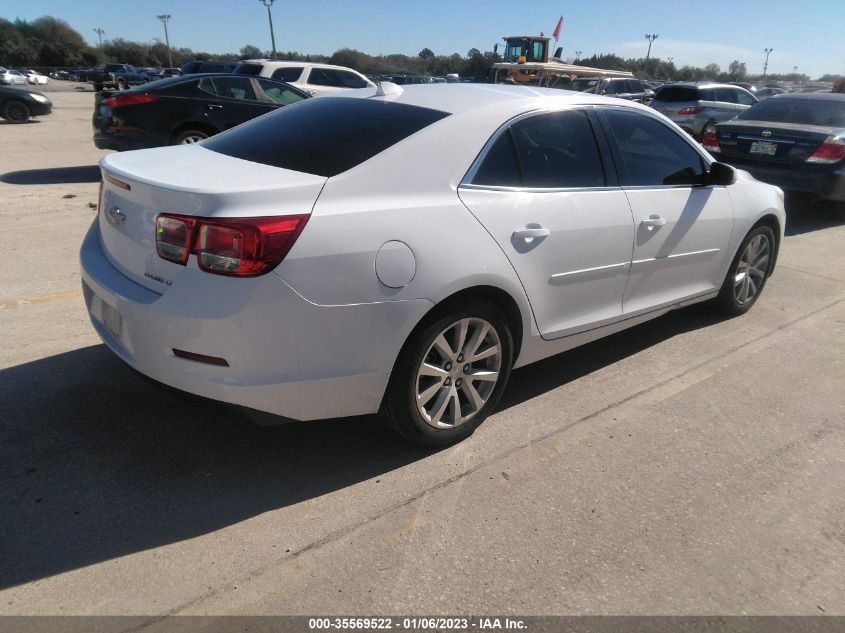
(453, 403)
(16, 112)
(188, 137)
(750, 268)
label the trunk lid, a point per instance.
(770, 142)
(186, 180)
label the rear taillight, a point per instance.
(174, 237)
(710, 141)
(123, 100)
(237, 247)
(691, 110)
(831, 151)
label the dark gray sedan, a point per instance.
(19, 105)
(795, 141)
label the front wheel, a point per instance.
(748, 273)
(450, 376)
(16, 112)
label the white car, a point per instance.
(35, 78)
(400, 251)
(12, 77)
(315, 79)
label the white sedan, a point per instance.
(400, 251)
(35, 78)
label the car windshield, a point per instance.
(325, 136)
(822, 112)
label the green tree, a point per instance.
(737, 70)
(426, 54)
(250, 52)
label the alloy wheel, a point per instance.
(751, 269)
(458, 373)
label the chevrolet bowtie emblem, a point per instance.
(116, 216)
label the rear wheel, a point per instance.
(188, 137)
(16, 112)
(450, 376)
(748, 272)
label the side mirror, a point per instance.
(721, 174)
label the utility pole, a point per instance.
(164, 18)
(99, 33)
(768, 52)
(268, 4)
(578, 55)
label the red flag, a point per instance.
(557, 28)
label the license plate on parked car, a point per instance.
(108, 316)
(762, 147)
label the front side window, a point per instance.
(745, 98)
(350, 80)
(279, 93)
(548, 151)
(652, 153)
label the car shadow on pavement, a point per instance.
(814, 216)
(98, 463)
(543, 376)
(53, 176)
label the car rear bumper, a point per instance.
(826, 181)
(285, 355)
(122, 142)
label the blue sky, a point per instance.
(807, 34)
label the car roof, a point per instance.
(464, 97)
(813, 96)
(279, 64)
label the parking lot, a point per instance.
(691, 465)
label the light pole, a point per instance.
(99, 33)
(650, 39)
(268, 4)
(578, 55)
(768, 52)
(164, 18)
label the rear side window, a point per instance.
(726, 95)
(287, 74)
(549, 151)
(652, 153)
(325, 136)
(323, 77)
(676, 94)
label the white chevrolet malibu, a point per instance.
(400, 251)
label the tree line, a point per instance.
(49, 42)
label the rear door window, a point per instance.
(500, 167)
(323, 77)
(238, 88)
(726, 95)
(288, 74)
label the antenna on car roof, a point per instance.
(387, 89)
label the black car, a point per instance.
(19, 105)
(181, 110)
(794, 141)
(198, 66)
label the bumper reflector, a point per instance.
(201, 358)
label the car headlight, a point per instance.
(39, 98)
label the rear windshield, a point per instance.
(802, 111)
(676, 94)
(248, 69)
(325, 136)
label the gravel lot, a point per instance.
(693, 465)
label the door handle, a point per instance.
(527, 234)
(215, 106)
(652, 221)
